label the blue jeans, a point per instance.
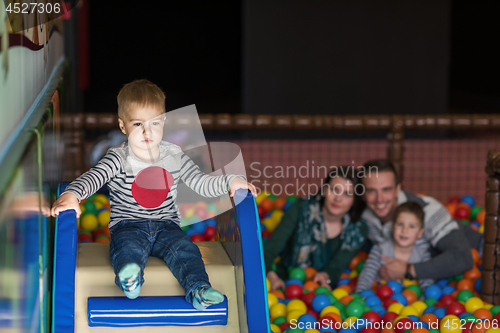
(134, 242)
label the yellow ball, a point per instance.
(420, 307)
(270, 223)
(329, 309)
(100, 198)
(188, 213)
(98, 205)
(78, 223)
(82, 208)
(396, 308)
(88, 222)
(339, 293)
(473, 303)
(277, 215)
(481, 229)
(353, 274)
(296, 304)
(488, 306)
(493, 329)
(350, 322)
(409, 310)
(295, 314)
(278, 310)
(450, 324)
(271, 300)
(103, 218)
(275, 329)
(407, 282)
(268, 285)
(262, 195)
(397, 319)
(312, 330)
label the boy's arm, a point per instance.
(92, 180)
(425, 282)
(370, 269)
(203, 184)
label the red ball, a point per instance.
(209, 232)
(313, 313)
(388, 302)
(265, 233)
(455, 308)
(283, 326)
(439, 305)
(293, 291)
(462, 213)
(201, 212)
(454, 200)
(447, 299)
(197, 238)
(84, 237)
(307, 298)
(403, 324)
(389, 317)
(261, 212)
(384, 292)
(497, 317)
(369, 330)
(372, 316)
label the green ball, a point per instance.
(272, 197)
(274, 267)
(430, 301)
(407, 331)
(458, 277)
(322, 290)
(297, 273)
(279, 320)
(474, 211)
(338, 305)
(295, 330)
(367, 308)
(470, 318)
(465, 222)
(332, 298)
(185, 228)
(83, 231)
(416, 289)
(289, 269)
(90, 207)
(433, 330)
(356, 297)
(360, 266)
(494, 310)
(342, 315)
(291, 198)
(212, 207)
(464, 295)
(354, 309)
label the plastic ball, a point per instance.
(338, 293)
(275, 328)
(292, 281)
(320, 302)
(271, 300)
(483, 314)
(461, 213)
(329, 309)
(396, 308)
(432, 291)
(410, 296)
(103, 218)
(296, 304)
(384, 292)
(455, 308)
(473, 303)
(278, 310)
(90, 207)
(440, 312)
(477, 285)
(293, 291)
(298, 274)
(85, 238)
(293, 315)
(408, 310)
(450, 324)
(372, 301)
(400, 298)
(197, 238)
(89, 222)
(102, 239)
(403, 324)
(354, 309)
(468, 199)
(395, 286)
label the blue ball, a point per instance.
(378, 308)
(213, 222)
(469, 199)
(287, 205)
(262, 227)
(476, 224)
(400, 298)
(413, 318)
(442, 282)
(365, 293)
(372, 301)
(348, 330)
(190, 232)
(361, 323)
(306, 319)
(319, 302)
(424, 324)
(343, 281)
(440, 312)
(429, 309)
(395, 286)
(347, 271)
(448, 290)
(433, 291)
(463, 315)
(198, 228)
(477, 285)
(292, 281)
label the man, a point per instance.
(449, 241)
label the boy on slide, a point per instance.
(142, 229)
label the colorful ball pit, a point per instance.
(448, 306)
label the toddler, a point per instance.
(138, 230)
(408, 227)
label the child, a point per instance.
(136, 231)
(408, 227)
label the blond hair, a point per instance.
(140, 93)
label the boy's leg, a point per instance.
(182, 256)
(129, 250)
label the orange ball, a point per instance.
(480, 216)
(334, 316)
(429, 318)
(473, 274)
(479, 328)
(344, 276)
(465, 284)
(310, 273)
(354, 263)
(388, 328)
(346, 288)
(455, 294)
(475, 256)
(346, 299)
(483, 314)
(267, 205)
(278, 294)
(451, 209)
(279, 203)
(311, 285)
(410, 295)
(419, 330)
(363, 255)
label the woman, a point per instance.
(324, 232)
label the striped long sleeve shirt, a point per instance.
(369, 273)
(119, 167)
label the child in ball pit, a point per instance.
(138, 231)
(408, 228)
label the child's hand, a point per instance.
(66, 201)
(323, 279)
(275, 281)
(239, 183)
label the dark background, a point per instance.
(200, 52)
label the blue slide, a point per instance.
(81, 271)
